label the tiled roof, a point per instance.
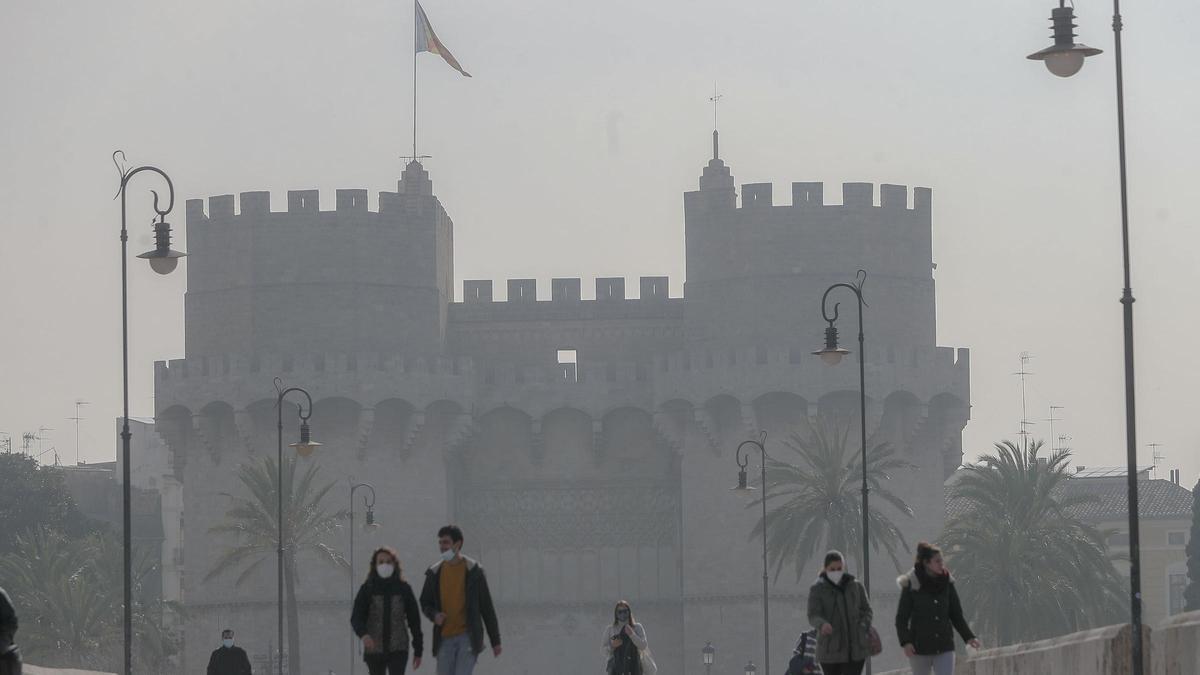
(1157, 499)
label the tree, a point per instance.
(818, 500)
(69, 594)
(34, 497)
(253, 520)
(1191, 596)
(1026, 567)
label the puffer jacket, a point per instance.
(927, 617)
(381, 610)
(847, 609)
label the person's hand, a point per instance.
(975, 643)
(368, 643)
(910, 651)
(439, 619)
(416, 662)
(615, 643)
(497, 650)
(628, 630)
(826, 629)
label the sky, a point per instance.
(567, 153)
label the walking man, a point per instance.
(228, 659)
(456, 599)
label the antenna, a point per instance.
(715, 98)
(1052, 419)
(1026, 357)
(1156, 457)
(77, 419)
(41, 437)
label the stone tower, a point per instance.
(579, 480)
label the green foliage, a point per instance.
(69, 597)
(1191, 596)
(253, 522)
(818, 499)
(1026, 568)
(34, 497)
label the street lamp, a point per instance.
(1063, 36)
(1065, 57)
(368, 525)
(832, 354)
(158, 258)
(304, 447)
(744, 486)
(708, 652)
(750, 669)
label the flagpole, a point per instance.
(414, 138)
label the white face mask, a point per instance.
(448, 554)
(835, 577)
(385, 570)
(227, 642)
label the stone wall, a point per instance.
(1176, 648)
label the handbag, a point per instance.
(804, 658)
(874, 644)
(649, 667)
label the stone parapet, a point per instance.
(1176, 648)
(1100, 651)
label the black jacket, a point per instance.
(379, 608)
(927, 617)
(481, 613)
(8, 623)
(229, 661)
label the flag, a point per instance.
(427, 40)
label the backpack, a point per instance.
(804, 656)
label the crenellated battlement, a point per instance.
(856, 195)
(565, 290)
(257, 204)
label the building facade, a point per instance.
(584, 444)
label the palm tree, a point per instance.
(253, 519)
(818, 499)
(1027, 568)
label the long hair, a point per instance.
(619, 605)
(926, 552)
(372, 574)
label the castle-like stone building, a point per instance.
(585, 445)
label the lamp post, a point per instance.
(163, 261)
(750, 669)
(1064, 59)
(709, 652)
(832, 354)
(744, 486)
(369, 524)
(304, 447)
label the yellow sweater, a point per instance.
(452, 582)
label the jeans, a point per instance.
(455, 657)
(387, 664)
(850, 668)
(939, 664)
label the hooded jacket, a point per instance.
(847, 609)
(927, 616)
(481, 613)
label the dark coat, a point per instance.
(381, 608)
(10, 656)
(229, 661)
(846, 608)
(927, 617)
(481, 613)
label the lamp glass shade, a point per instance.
(832, 357)
(304, 448)
(1064, 63)
(163, 260)
(709, 651)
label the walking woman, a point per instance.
(384, 604)
(929, 613)
(840, 611)
(625, 644)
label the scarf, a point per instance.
(930, 583)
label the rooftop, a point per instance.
(1158, 498)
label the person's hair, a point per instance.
(926, 552)
(372, 574)
(226, 630)
(452, 531)
(620, 604)
(833, 556)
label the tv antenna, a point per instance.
(1023, 373)
(77, 419)
(1052, 419)
(1156, 457)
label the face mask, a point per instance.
(835, 577)
(448, 554)
(227, 643)
(384, 570)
